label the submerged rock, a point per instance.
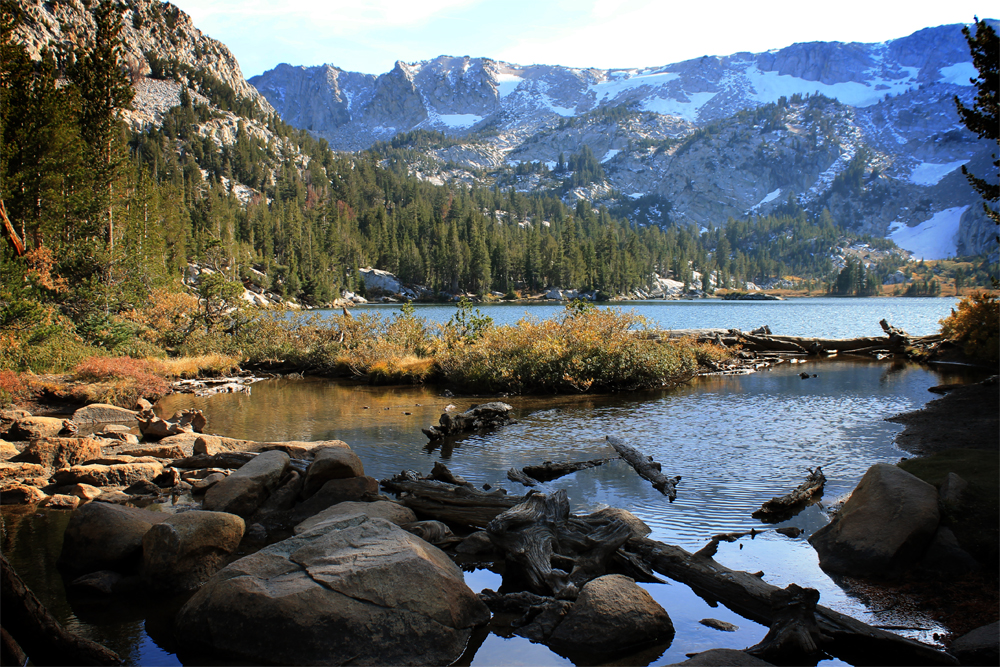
(360, 590)
(183, 551)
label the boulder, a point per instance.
(14, 470)
(333, 492)
(883, 528)
(32, 428)
(160, 452)
(361, 590)
(284, 496)
(380, 509)
(102, 413)
(61, 501)
(7, 450)
(102, 582)
(188, 421)
(301, 450)
(946, 557)
(119, 437)
(8, 416)
(331, 463)
(61, 452)
(243, 492)
(203, 485)
(183, 551)
(979, 647)
(143, 487)
(20, 494)
(123, 473)
(185, 440)
(612, 614)
(722, 657)
(213, 444)
(84, 492)
(101, 536)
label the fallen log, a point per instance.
(794, 636)
(750, 596)
(769, 344)
(548, 471)
(646, 467)
(37, 632)
(457, 504)
(785, 507)
(518, 476)
(478, 417)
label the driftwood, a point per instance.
(646, 467)
(750, 596)
(548, 471)
(212, 386)
(188, 421)
(464, 505)
(780, 509)
(478, 417)
(794, 636)
(540, 531)
(38, 633)
(518, 476)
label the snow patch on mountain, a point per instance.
(610, 155)
(770, 86)
(959, 74)
(619, 82)
(932, 239)
(507, 83)
(928, 173)
(459, 120)
(673, 107)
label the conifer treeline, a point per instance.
(107, 214)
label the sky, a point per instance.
(371, 35)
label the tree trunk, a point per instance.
(780, 509)
(646, 467)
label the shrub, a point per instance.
(119, 380)
(12, 388)
(976, 327)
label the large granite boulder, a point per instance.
(15, 493)
(301, 449)
(351, 489)
(183, 551)
(612, 614)
(112, 471)
(380, 509)
(331, 463)
(7, 450)
(60, 452)
(979, 647)
(11, 470)
(360, 590)
(101, 536)
(883, 528)
(102, 413)
(32, 428)
(243, 492)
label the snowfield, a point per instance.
(931, 239)
(928, 173)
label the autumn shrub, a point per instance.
(38, 339)
(582, 350)
(976, 327)
(167, 319)
(119, 380)
(12, 387)
(204, 365)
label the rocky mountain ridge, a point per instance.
(892, 101)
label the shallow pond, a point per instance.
(736, 441)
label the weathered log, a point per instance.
(38, 633)
(747, 595)
(769, 343)
(441, 473)
(646, 467)
(478, 417)
(794, 636)
(518, 476)
(457, 504)
(549, 471)
(785, 507)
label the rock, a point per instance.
(612, 614)
(160, 452)
(722, 657)
(102, 413)
(142, 404)
(143, 487)
(120, 436)
(979, 647)
(202, 485)
(333, 492)
(168, 479)
(115, 474)
(14, 470)
(185, 440)
(61, 452)
(477, 543)
(718, 625)
(101, 536)
(182, 552)
(32, 428)
(380, 509)
(331, 463)
(102, 582)
(20, 494)
(188, 421)
(213, 444)
(285, 495)
(60, 501)
(243, 492)
(8, 416)
(638, 526)
(361, 590)
(946, 557)
(487, 415)
(256, 533)
(7, 450)
(110, 429)
(883, 528)
(113, 497)
(952, 488)
(301, 450)
(434, 532)
(84, 492)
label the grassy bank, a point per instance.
(124, 358)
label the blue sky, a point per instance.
(370, 35)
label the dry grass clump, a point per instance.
(582, 350)
(976, 327)
(118, 380)
(204, 365)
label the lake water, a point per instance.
(736, 442)
(813, 317)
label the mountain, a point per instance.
(693, 142)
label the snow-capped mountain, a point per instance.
(674, 138)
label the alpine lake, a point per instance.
(736, 441)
